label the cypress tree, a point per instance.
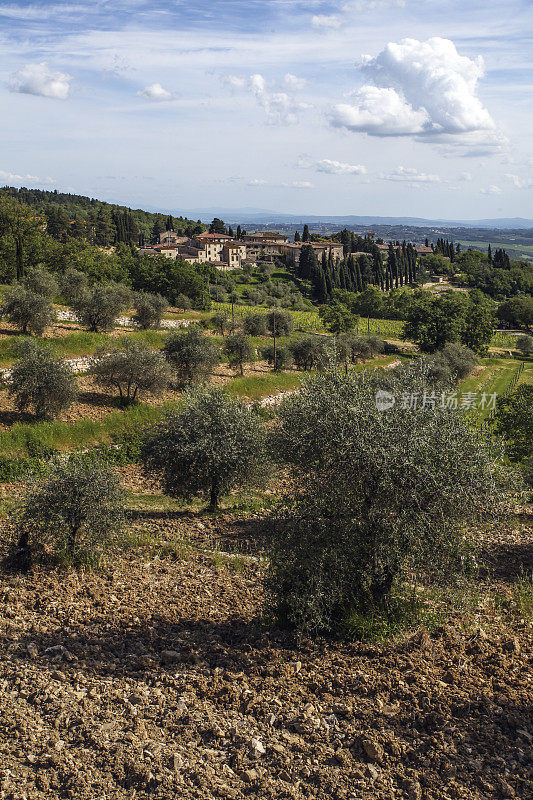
(305, 235)
(297, 237)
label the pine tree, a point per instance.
(490, 254)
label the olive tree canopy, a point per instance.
(381, 491)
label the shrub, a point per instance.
(239, 350)
(310, 352)
(280, 323)
(459, 360)
(132, 369)
(98, 307)
(73, 285)
(149, 310)
(525, 344)
(31, 312)
(40, 281)
(41, 381)
(77, 509)
(379, 495)
(212, 445)
(183, 302)
(219, 321)
(255, 324)
(192, 355)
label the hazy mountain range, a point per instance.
(261, 216)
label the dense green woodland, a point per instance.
(105, 224)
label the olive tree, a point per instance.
(310, 352)
(455, 360)
(98, 307)
(213, 444)
(73, 284)
(280, 323)
(239, 350)
(191, 354)
(76, 510)
(31, 312)
(255, 324)
(220, 322)
(132, 368)
(381, 493)
(149, 310)
(39, 281)
(279, 357)
(41, 381)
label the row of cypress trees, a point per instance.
(354, 272)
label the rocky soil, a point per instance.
(155, 677)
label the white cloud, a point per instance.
(298, 185)
(420, 88)
(379, 112)
(519, 182)
(39, 79)
(410, 175)
(156, 93)
(293, 83)
(12, 177)
(491, 190)
(280, 107)
(257, 182)
(326, 21)
(331, 167)
(466, 176)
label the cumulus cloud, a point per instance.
(410, 175)
(379, 112)
(156, 93)
(13, 177)
(491, 190)
(420, 88)
(331, 167)
(39, 79)
(281, 107)
(326, 21)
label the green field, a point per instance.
(518, 251)
(495, 378)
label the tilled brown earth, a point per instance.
(157, 679)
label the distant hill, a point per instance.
(261, 216)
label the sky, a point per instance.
(366, 107)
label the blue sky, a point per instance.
(389, 107)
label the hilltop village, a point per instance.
(227, 252)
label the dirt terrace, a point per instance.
(156, 678)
